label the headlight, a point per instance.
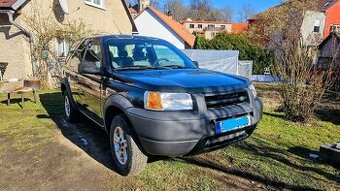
(157, 101)
(252, 89)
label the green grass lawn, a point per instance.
(275, 157)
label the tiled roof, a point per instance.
(178, 28)
(7, 3)
(238, 27)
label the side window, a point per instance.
(76, 56)
(92, 58)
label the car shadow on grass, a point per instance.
(85, 134)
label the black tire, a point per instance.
(72, 115)
(135, 160)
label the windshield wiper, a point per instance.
(135, 68)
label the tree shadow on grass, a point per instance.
(85, 134)
(296, 158)
(240, 173)
(297, 161)
(274, 115)
(330, 115)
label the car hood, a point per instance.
(182, 80)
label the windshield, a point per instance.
(146, 54)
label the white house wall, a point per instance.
(307, 27)
(150, 25)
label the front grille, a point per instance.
(224, 100)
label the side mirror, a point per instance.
(196, 63)
(90, 70)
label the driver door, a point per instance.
(90, 82)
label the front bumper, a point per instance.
(190, 132)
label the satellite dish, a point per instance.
(63, 5)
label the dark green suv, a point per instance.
(153, 100)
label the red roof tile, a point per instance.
(7, 3)
(239, 27)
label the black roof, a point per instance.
(332, 35)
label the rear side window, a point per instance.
(76, 56)
(92, 57)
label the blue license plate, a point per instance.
(232, 124)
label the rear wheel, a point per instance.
(70, 112)
(128, 159)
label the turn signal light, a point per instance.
(154, 101)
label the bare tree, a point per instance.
(245, 12)
(200, 9)
(227, 13)
(176, 9)
(46, 29)
(155, 4)
(302, 83)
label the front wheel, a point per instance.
(128, 159)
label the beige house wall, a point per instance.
(228, 26)
(14, 46)
(12, 50)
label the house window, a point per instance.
(191, 26)
(211, 26)
(222, 27)
(335, 28)
(63, 48)
(200, 26)
(95, 3)
(317, 24)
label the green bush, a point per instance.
(248, 51)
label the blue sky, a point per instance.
(258, 5)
